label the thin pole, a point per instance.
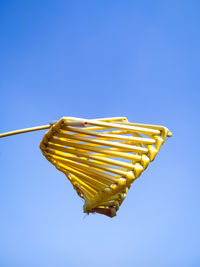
(26, 130)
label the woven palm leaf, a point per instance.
(102, 157)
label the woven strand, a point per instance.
(102, 157)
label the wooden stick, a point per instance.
(26, 130)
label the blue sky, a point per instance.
(90, 59)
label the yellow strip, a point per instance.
(100, 175)
(108, 136)
(90, 163)
(95, 149)
(88, 155)
(103, 143)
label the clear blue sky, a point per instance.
(90, 59)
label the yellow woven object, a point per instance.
(102, 157)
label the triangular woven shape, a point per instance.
(102, 157)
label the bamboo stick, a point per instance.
(26, 130)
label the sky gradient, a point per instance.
(92, 59)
